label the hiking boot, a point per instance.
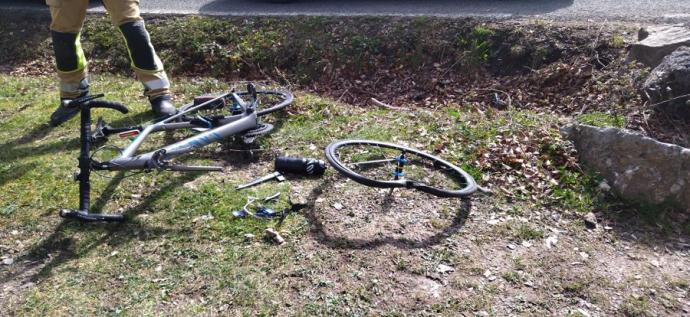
(162, 106)
(63, 113)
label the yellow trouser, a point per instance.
(67, 20)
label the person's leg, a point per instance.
(65, 27)
(145, 62)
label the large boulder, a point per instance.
(669, 83)
(638, 168)
(659, 41)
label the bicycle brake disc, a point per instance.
(251, 135)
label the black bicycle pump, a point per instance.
(85, 167)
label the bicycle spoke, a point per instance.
(378, 164)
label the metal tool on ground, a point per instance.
(277, 175)
(290, 165)
(261, 211)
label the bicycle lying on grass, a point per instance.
(216, 124)
(238, 114)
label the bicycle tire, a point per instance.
(333, 157)
(286, 99)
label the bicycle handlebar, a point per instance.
(108, 105)
(90, 102)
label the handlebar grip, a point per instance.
(302, 166)
(109, 105)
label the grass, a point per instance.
(636, 307)
(527, 232)
(183, 253)
(296, 49)
(166, 254)
(602, 119)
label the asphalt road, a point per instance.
(609, 10)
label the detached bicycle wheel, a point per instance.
(387, 165)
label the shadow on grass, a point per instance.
(59, 247)
(14, 150)
(655, 226)
(319, 232)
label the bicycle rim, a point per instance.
(387, 165)
(269, 101)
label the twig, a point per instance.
(283, 77)
(343, 95)
(672, 99)
(387, 106)
(594, 46)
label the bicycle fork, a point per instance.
(84, 175)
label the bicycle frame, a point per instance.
(244, 119)
(231, 125)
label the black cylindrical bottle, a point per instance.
(298, 165)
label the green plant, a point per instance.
(602, 119)
(477, 45)
(512, 277)
(526, 232)
(617, 41)
(636, 307)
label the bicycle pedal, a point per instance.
(98, 133)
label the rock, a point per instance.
(550, 242)
(590, 220)
(511, 246)
(203, 218)
(604, 186)
(298, 200)
(338, 206)
(642, 34)
(583, 312)
(638, 168)
(8, 261)
(248, 236)
(442, 268)
(275, 236)
(190, 185)
(669, 83)
(659, 41)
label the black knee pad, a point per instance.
(139, 44)
(66, 54)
